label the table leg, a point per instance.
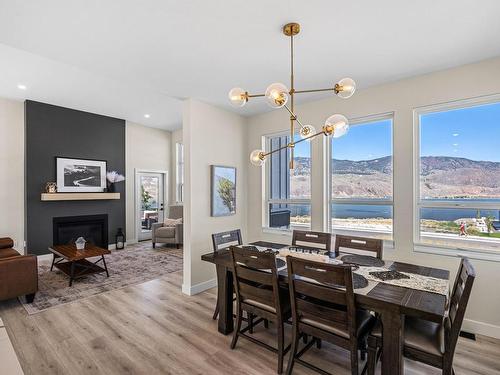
(225, 298)
(72, 273)
(105, 266)
(392, 351)
(53, 260)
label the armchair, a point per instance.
(169, 235)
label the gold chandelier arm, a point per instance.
(292, 144)
(255, 95)
(314, 90)
(294, 116)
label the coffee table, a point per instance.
(73, 262)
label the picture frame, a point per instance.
(80, 175)
(223, 190)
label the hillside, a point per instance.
(442, 177)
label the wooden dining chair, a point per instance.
(323, 306)
(358, 245)
(258, 293)
(221, 241)
(428, 342)
(310, 239)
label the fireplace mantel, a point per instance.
(78, 196)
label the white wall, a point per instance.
(176, 137)
(12, 171)
(211, 137)
(401, 98)
(146, 149)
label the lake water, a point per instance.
(345, 211)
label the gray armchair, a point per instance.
(169, 235)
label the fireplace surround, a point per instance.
(94, 228)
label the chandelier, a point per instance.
(277, 95)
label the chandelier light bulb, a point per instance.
(345, 88)
(336, 126)
(257, 157)
(307, 131)
(238, 97)
(277, 95)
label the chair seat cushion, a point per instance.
(165, 232)
(421, 335)
(363, 318)
(8, 253)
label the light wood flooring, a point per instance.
(152, 328)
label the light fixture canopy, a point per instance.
(278, 95)
(21, 86)
(147, 115)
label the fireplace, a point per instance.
(94, 228)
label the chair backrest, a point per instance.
(225, 239)
(175, 212)
(318, 240)
(358, 245)
(322, 292)
(457, 306)
(256, 277)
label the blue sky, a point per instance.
(472, 133)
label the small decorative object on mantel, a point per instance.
(51, 187)
(113, 177)
(80, 243)
(120, 239)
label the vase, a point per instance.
(111, 187)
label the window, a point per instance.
(179, 172)
(361, 179)
(458, 175)
(288, 191)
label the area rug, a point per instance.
(133, 265)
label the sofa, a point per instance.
(18, 273)
(167, 234)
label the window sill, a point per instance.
(489, 255)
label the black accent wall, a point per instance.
(56, 131)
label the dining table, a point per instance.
(392, 303)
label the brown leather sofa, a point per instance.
(18, 273)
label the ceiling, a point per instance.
(126, 58)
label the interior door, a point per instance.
(150, 198)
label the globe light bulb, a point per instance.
(238, 97)
(336, 126)
(277, 95)
(307, 131)
(345, 88)
(257, 157)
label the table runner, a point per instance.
(418, 282)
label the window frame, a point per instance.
(452, 247)
(267, 201)
(356, 121)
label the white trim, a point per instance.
(481, 328)
(423, 203)
(44, 258)
(198, 288)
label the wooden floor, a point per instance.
(152, 328)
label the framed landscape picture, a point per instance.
(223, 190)
(80, 175)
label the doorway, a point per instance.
(150, 201)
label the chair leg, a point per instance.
(216, 312)
(318, 343)
(30, 297)
(266, 323)
(293, 350)
(154, 245)
(237, 328)
(372, 355)
(281, 339)
(354, 359)
(305, 338)
(250, 323)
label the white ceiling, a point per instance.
(126, 58)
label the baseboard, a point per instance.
(44, 258)
(481, 328)
(198, 288)
(131, 241)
